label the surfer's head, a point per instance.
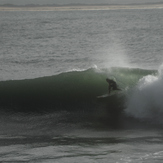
(107, 79)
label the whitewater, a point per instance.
(54, 65)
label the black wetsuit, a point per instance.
(112, 85)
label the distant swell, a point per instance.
(66, 91)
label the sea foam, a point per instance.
(145, 101)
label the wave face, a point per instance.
(67, 91)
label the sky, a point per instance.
(41, 2)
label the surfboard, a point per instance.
(108, 95)
(103, 96)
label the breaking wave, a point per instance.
(77, 90)
(145, 100)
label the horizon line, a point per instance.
(9, 7)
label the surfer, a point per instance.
(112, 85)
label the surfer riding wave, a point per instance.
(112, 85)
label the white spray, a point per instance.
(146, 100)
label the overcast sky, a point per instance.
(22, 2)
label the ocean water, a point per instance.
(53, 66)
